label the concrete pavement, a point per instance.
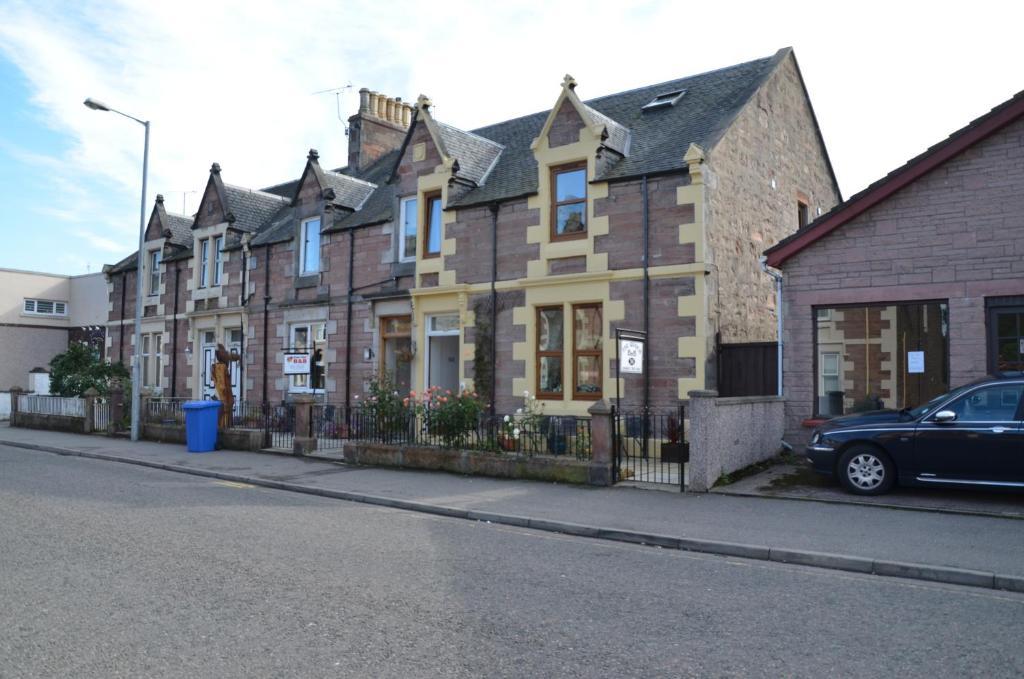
(114, 570)
(975, 550)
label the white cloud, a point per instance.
(232, 82)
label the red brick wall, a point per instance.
(565, 128)
(956, 234)
(624, 209)
(666, 325)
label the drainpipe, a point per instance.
(243, 302)
(120, 343)
(647, 300)
(348, 319)
(494, 307)
(266, 317)
(777, 277)
(174, 331)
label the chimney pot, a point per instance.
(406, 115)
(374, 98)
(389, 110)
(364, 100)
(382, 105)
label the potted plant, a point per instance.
(675, 449)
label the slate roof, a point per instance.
(499, 159)
(251, 208)
(181, 229)
(975, 131)
(349, 191)
(658, 137)
(474, 153)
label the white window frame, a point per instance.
(404, 256)
(304, 248)
(218, 260)
(30, 307)
(154, 272)
(204, 262)
(823, 375)
(152, 355)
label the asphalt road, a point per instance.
(110, 570)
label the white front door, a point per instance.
(208, 349)
(235, 347)
(441, 367)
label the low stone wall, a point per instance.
(476, 463)
(233, 439)
(73, 425)
(727, 434)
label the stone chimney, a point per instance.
(378, 127)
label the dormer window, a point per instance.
(218, 259)
(407, 237)
(432, 226)
(310, 254)
(154, 272)
(569, 201)
(204, 262)
(664, 99)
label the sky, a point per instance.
(234, 83)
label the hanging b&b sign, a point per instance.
(631, 356)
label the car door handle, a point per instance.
(998, 430)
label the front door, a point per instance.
(984, 442)
(235, 367)
(208, 349)
(442, 364)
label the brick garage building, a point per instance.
(915, 284)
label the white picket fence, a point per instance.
(68, 406)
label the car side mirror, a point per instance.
(944, 417)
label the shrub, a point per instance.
(73, 372)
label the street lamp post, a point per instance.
(136, 354)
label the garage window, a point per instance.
(879, 356)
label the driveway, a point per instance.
(793, 479)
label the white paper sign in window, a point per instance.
(915, 362)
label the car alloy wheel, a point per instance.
(866, 471)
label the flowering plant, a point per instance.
(525, 422)
(452, 416)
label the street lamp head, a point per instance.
(96, 105)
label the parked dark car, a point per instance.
(971, 436)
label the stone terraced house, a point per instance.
(500, 259)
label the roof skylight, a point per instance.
(665, 99)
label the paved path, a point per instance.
(114, 570)
(987, 544)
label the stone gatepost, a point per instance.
(16, 391)
(704, 463)
(90, 396)
(116, 406)
(601, 443)
(302, 442)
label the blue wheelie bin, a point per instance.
(201, 425)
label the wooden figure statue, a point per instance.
(222, 385)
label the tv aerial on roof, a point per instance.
(337, 91)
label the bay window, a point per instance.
(550, 352)
(151, 357)
(587, 344)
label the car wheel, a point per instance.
(866, 470)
